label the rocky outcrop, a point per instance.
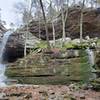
(91, 24)
(44, 69)
(14, 47)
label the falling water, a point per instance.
(91, 60)
(90, 56)
(3, 66)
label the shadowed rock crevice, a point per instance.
(14, 48)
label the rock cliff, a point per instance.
(91, 24)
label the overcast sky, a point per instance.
(7, 11)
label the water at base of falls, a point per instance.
(2, 75)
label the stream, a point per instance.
(3, 66)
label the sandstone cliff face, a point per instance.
(14, 47)
(91, 24)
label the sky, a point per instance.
(8, 13)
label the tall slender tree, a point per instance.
(38, 15)
(45, 21)
(81, 21)
(64, 14)
(25, 9)
(51, 15)
(29, 10)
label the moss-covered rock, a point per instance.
(42, 68)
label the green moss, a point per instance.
(69, 69)
(68, 45)
(42, 45)
(98, 42)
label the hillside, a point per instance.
(91, 24)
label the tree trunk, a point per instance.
(29, 8)
(46, 28)
(66, 16)
(53, 27)
(25, 44)
(81, 22)
(63, 22)
(81, 27)
(64, 19)
(39, 28)
(96, 4)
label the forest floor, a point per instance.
(47, 92)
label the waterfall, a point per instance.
(90, 56)
(3, 66)
(91, 60)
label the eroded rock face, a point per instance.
(15, 45)
(91, 25)
(43, 69)
(13, 53)
(14, 48)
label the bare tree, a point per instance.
(64, 14)
(39, 24)
(45, 21)
(63, 8)
(52, 14)
(81, 21)
(57, 4)
(29, 10)
(38, 14)
(25, 8)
